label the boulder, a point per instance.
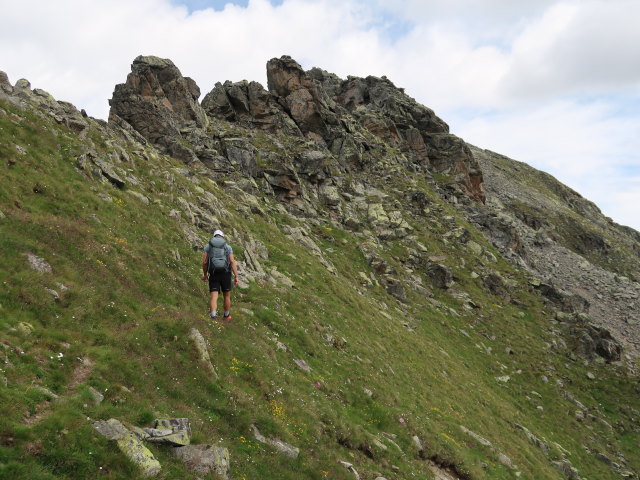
(167, 437)
(566, 301)
(129, 444)
(205, 459)
(440, 275)
(589, 341)
(496, 285)
(39, 264)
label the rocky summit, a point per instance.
(409, 305)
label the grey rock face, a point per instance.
(566, 301)
(159, 103)
(248, 103)
(591, 341)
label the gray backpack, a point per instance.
(218, 258)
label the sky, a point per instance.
(553, 83)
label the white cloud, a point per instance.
(515, 69)
(577, 47)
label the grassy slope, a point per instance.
(130, 305)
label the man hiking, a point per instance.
(217, 264)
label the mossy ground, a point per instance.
(131, 302)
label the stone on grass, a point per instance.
(130, 445)
(143, 198)
(204, 459)
(111, 429)
(170, 431)
(418, 443)
(302, 364)
(39, 264)
(506, 461)
(96, 395)
(440, 276)
(201, 346)
(279, 445)
(350, 467)
(53, 293)
(478, 438)
(25, 329)
(567, 469)
(46, 391)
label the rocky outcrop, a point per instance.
(160, 104)
(248, 103)
(589, 341)
(302, 98)
(345, 119)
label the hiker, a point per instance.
(217, 264)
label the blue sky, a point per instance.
(554, 83)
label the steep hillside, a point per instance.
(382, 327)
(552, 231)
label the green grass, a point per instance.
(130, 305)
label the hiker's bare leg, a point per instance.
(227, 301)
(214, 300)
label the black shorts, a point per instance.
(220, 281)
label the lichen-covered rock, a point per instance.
(140, 455)
(129, 444)
(170, 431)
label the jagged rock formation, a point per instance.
(342, 118)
